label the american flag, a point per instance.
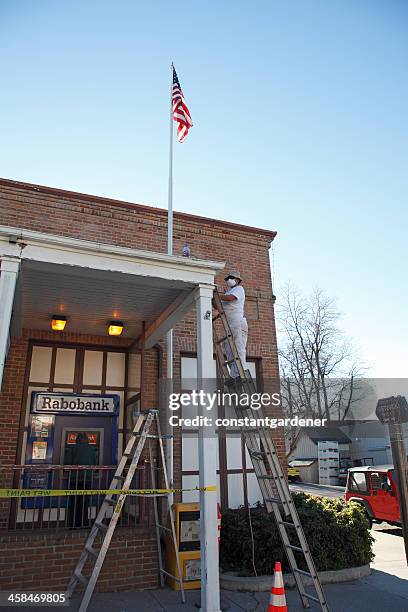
(181, 114)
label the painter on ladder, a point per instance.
(233, 301)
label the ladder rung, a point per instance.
(232, 382)
(101, 526)
(274, 500)
(299, 571)
(257, 454)
(297, 548)
(312, 597)
(163, 571)
(92, 551)
(287, 524)
(267, 477)
(163, 527)
(110, 501)
(156, 437)
(118, 477)
(220, 340)
(81, 578)
(231, 361)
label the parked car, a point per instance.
(293, 473)
(374, 487)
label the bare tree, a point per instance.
(320, 368)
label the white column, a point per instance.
(207, 453)
(8, 278)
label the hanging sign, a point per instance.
(392, 409)
(74, 403)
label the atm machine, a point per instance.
(54, 423)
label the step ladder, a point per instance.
(147, 428)
(268, 469)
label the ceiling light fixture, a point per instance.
(115, 328)
(58, 322)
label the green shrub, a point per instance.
(337, 533)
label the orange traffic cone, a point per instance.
(277, 600)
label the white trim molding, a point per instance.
(49, 248)
(9, 270)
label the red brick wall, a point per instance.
(45, 561)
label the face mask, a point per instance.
(231, 282)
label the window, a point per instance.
(358, 482)
(380, 482)
(237, 482)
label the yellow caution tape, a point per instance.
(8, 493)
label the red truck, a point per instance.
(374, 487)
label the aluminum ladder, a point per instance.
(131, 456)
(267, 466)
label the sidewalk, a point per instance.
(361, 596)
(386, 589)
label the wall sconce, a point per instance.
(58, 322)
(115, 328)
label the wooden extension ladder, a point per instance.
(268, 469)
(110, 510)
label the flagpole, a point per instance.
(169, 338)
(170, 192)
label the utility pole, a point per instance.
(394, 412)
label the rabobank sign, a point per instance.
(78, 403)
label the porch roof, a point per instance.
(92, 283)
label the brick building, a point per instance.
(95, 260)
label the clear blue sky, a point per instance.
(300, 125)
